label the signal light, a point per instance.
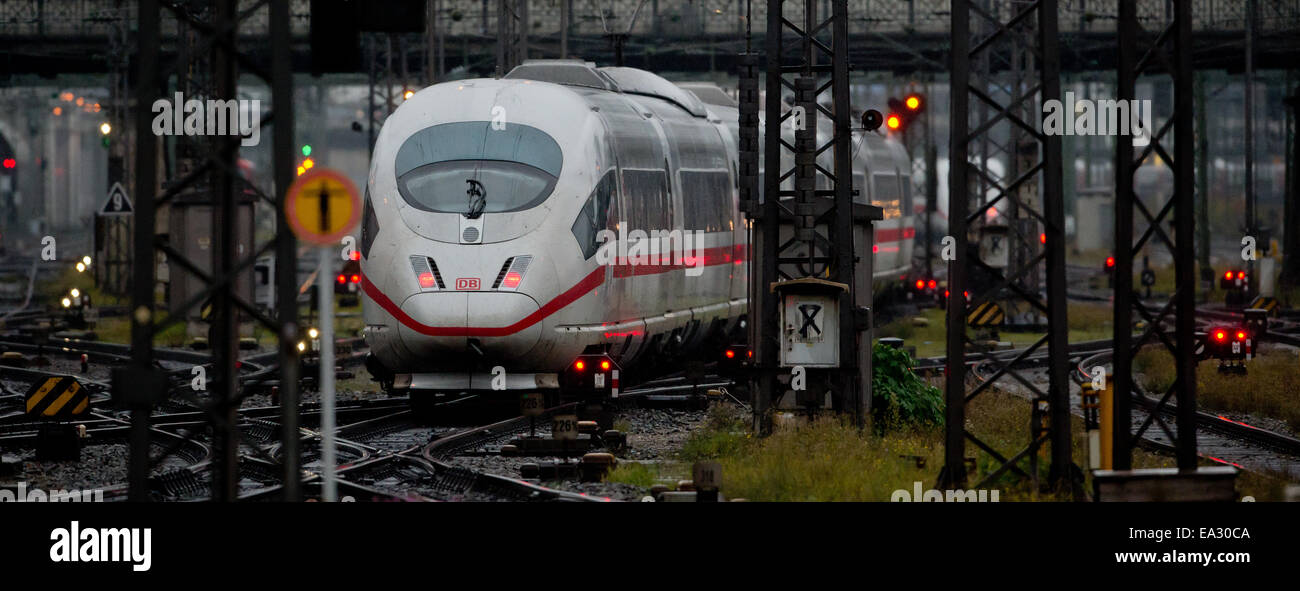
(512, 279)
(579, 365)
(308, 163)
(105, 128)
(893, 121)
(301, 170)
(306, 150)
(10, 163)
(1042, 238)
(1110, 262)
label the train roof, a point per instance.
(610, 78)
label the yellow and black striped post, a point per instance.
(985, 314)
(57, 397)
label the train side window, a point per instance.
(646, 195)
(905, 183)
(706, 198)
(886, 194)
(594, 216)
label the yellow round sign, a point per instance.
(323, 206)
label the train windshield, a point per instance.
(474, 167)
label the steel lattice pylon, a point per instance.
(1015, 46)
(1170, 54)
(213, 172)
(815, 207)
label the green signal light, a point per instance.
(306, 150)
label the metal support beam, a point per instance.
(1011, 98)
(1174, 53)
(807, 230)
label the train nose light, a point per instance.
(426, 273)
(514, 271)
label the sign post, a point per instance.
(323, 206)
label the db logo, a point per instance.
(467, 283)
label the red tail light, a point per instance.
(341, 279)
(579, 365)
(426, 279)
(1220, 335)
(1241, 336)
(512, 279)
(1227, 275)
(920, 284)
(604, 365)
(933, 284)
(749, 353)
(731, 354)
(1042, 238)
(1110, 262)
(1241, 274)
(355, 278)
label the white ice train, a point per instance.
(483, 206)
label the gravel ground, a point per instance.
(658, 433)
(100, 466)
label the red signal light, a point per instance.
(913, 102)
(512, 279)
(355, 278)
(893, 121)
(1042, 238)
(749, 353)
(604, 364)
(945, 293)
(10, 163)
(341, 279)
(426, 279)
(579, 365)
(1110, 262)
(731, 354)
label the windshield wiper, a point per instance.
(477, 198)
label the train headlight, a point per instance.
(426, 273)
(67, 303)
(512, 273)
